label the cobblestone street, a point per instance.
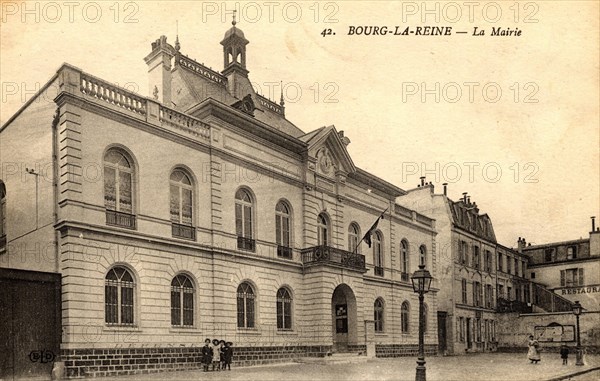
(484, 367)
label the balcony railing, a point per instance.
(124, 220)
(247, 244)
(404, 277)
(183, 231)
(284, 252)
(331, 255)
(378, 270)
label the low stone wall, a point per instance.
(123, 361)
(401, 350)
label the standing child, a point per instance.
(228, 355)
(564, 353)
(216, 355)
(207, 354)
(222, 354)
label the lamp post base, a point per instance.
(420, 376)
(579, 356)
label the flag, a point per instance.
(367, 237)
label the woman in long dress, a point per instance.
(533, 354)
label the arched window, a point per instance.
(119, 296)
(404, 264)
(425, 314)
(182, 205)
(322, 230)
(378, 253)
(404, 316)
(2, 214)
(284, 310)
(182, 301)
(243, 220)
(245, 306)
(118, 188)
(423, 255)
(378, 315)
(282, 230)
(353, 238)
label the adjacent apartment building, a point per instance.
(135, 227)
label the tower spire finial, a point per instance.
(177, 44)
(281, 101)
(233, 22)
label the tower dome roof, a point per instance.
(233, 31)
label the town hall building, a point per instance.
(135, 227)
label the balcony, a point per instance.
(505, 305)
(183, 231)
(378, 271)
(247, 244)
(284, 252)
(333, 256)
(404, 277)
(124, 220)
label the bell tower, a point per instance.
(234, 58)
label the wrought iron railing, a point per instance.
(505, 305)
(247, 244)
(284, 252)
(331, 255)
(549, 301)
(404, 277)
(124, 220)
(183, 231)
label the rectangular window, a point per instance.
(571, 252)
(509, 293)
(461, 327)
(464, 291)
(500, 260)
(476, 258)
(548, 255)
(571, 277)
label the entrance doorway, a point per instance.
(442, 331)
(344, 324)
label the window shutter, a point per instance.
(581, 276)
(562, 278)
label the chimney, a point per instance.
(445, 185)
(465, 197)
(422, 180)
(469, 200)
(520, 244)
(593, 223)
(159, 70)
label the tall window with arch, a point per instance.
(119, 297)
(244, 205)
(182, 205)
(404, 263)
(378, 315)
(353, 238)
(245, 306)
(282, 230)
(118, 189)
(182, 301)
(404, 317)
(378, 253)
(284, 310)
(423, 255)
(322, 230)
(2, 214)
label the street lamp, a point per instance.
(577, 309)
(421, 281)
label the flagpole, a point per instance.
(363, 238)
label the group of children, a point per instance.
(217, 352)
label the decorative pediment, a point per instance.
(329, 150)
(246, 105)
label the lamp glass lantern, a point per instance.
(421, 280)
(577, 308)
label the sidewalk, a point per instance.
(475, 367)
